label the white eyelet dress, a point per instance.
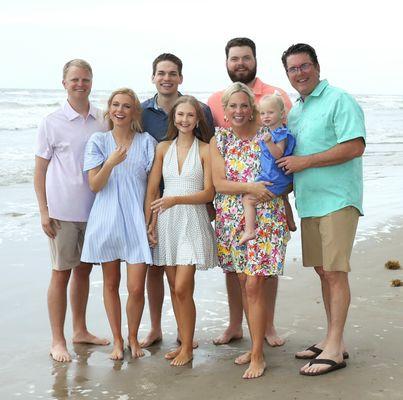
(184, 232)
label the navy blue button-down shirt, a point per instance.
(155, 119)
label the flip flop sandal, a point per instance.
(333, 366)
(316, 351)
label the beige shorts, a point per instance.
(328, 241)
(66, 247)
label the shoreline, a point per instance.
(373, 335)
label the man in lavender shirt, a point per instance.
(65, 201)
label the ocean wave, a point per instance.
(22, 127)
(17, 105)
(15, 176)
(380, 102)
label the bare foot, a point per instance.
(228, 335)
(117, 352)
(88, 338)
(173, 353)
(59, 352)
(152, 338)
(195, 342)
(243, 358)
(182, 358)
(273, 339)
(135, 349)
(255, 370)
(246, 236)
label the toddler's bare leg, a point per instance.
(250, 219)
(289, 215)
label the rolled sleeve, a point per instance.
(44, 149)
(94, 151)
(348, 119)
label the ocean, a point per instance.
(23, 109)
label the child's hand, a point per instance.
(267, 137)
(117, 156)
(259, 191)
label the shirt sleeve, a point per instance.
(43, 147)
(348, 119)
(149, 151)
(95, 153)
(279, 134)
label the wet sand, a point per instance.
(374, 333)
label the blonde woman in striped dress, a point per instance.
(118, 163)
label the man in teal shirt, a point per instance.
(328, 125)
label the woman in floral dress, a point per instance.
(235, 154)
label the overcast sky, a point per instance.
(358, 43)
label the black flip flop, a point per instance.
(333, 366)
(316, 351)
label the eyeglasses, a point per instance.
(305, 67)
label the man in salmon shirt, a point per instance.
(241, 67)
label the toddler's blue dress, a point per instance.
(116, 226)
(269, 171)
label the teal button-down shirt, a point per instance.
(326, 117)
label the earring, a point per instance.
(251, 118)
(225, 118)
(197, 124)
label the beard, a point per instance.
(245, 77)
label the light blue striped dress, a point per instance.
(116, 226)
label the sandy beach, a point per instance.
(374, 329)
(373, 333)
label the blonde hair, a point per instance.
(135, 125)
(77, 62)
(272, 98)
(237, 87)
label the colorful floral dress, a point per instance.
(264, 255)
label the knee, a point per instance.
(111, 285)
(182, 293)
(254, 288)
(82, 271)
(136, 292)
(60, 278)
(334, 278)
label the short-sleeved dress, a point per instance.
(263, 256)
(269, 171)
(184, 232)
(116, 226)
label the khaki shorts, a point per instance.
(328, 241)
(66, 247)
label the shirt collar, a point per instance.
(154, 102)
(320, 87)
(72, 114)
(257, 87)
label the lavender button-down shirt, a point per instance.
(62, 137)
